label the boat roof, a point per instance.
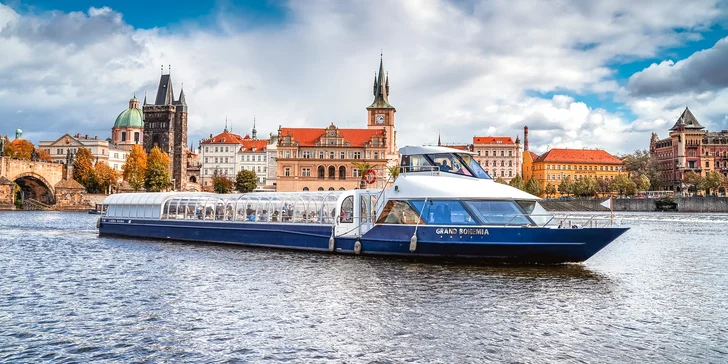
(417, 150)
(148, 198)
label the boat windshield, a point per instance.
(462, 164)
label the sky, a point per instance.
(579, 74)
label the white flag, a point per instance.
(607, 204)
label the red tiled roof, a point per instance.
(248, 145)
(492, 140)
(578, 156)
(307, 137)
(534, 156)
(224, 138)
(459, 147)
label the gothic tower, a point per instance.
(380, 114)
(165, 126)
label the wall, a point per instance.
(685, 204)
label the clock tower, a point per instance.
(380, 114)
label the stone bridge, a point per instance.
(40, 181)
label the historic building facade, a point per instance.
(556, 165)
(128, 128)
(323, 159)
(102, 150)
(165, 126)
(689, 147)
(499, 156)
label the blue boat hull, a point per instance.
(486, 244)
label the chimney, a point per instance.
(525, 138)
(96, 137)
(78, 135)
(86, 136)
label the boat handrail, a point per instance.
(434, 170)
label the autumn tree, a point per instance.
(624, 185)
(692, 180)
(19, 149)
(566, 187)
(222, 184)
(517, 182)
(83, 169)
(712, 182)
(501, 180)
(533, 187)
(43, 155)
(135, 168)
(105, 177)
(245, 181)
(157, 177)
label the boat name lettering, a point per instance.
(461, 231)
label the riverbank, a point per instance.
(681, 204)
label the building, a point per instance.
(165, 126)
(102, 150)
(557, 165)
(527, 158)
(193, 171)
(318, 159)
(499, 156)
(228, 153)
(128, 128)
(689, 147)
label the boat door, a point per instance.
(367, 211)
(347, 223)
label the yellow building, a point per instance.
(557, 165)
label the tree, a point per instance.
(641, 163)
(550, 189)
(517, 182)
(83, 169)
(105, 177)
(624, 185)
(19, 149)
(135, 168)
(604, 186)
(363, 167)
(43, 155)
(566, 187)
(585, 187)
(711, 182)
(533, 187)
(501, 180)
(692, 180)
(393, 172)
(642, 182)
(157, 174)
(220, 183)
(245, 181)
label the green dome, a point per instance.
(130, 118)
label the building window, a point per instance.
(306, 172)
(510, 153)
(486, 153)
(216, 150)
(321, 172)
(357, 155)
(342, 155)
(332, 155)
(305, 188)
(321, 154)
(287, 172)
(707, 164)
(355, 172)
(123, 136)
(510, 173)
(342, 172)
(288, 154)
(503, 153)
(376, 155)
(332, 172)
(206, 161)
(206, 150)
(510, 163)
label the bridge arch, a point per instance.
(36, 187)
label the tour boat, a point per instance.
(441, 205)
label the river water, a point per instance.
(658, 294)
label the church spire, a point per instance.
(226, 129)
(381, 88)
(145, 97)
(255, 132)
(182, 100)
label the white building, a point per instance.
(102, 150)
(229, 153)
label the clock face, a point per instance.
(379, 119)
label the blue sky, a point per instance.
(579, 74)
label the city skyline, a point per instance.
(580, 76)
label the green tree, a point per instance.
(566, 187)
(393, 172)
(711, 182)
(83, 169)
(550, 190)
(604, 186)
(501, 180)
(245, 181)
(105, 177)
(533, 187)
(135, 168)
(363, 167)
(692, 180)
(157, 178)
(641, 163)
(585, 187)
(624, 185)
(642, 182)
(517, 182)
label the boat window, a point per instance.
(399, 212)
(474, 166)
(444, 212)
(499, 212)
(347, 210)
(447, 163)
(415, 163)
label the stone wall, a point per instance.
(7, 197)
(684, 204)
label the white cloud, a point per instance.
(464, 68)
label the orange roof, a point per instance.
(307, 137)
(249, 144)
(459, 147)
(578, 156)
(492, 140)
(534, 156)
(224, 138)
